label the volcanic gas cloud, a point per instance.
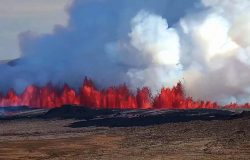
(204, 44)
(111, 98)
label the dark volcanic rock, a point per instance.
(77, 112)
(126, 118)
(121, 118)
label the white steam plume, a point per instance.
(209, 50)
(215, 52)
(157, 51)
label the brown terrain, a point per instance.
(38, 138)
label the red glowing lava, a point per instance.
(111, 98)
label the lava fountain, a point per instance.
(119, 97)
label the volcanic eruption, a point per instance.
(111, 98)
(125, 79)
(195, 58)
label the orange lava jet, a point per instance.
(111, 98)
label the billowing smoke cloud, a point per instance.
(152, 52)
(215, 52)
(144, 43)
(104, 41)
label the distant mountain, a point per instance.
(10, 62)
(4, 61)
(13, 62)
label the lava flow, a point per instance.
(111, 98)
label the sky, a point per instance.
(204, 44)
(17, 16)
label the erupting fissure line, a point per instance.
(111, 98)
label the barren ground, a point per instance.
(54, 139)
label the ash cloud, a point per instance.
(205, 44)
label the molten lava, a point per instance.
(111, 98)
